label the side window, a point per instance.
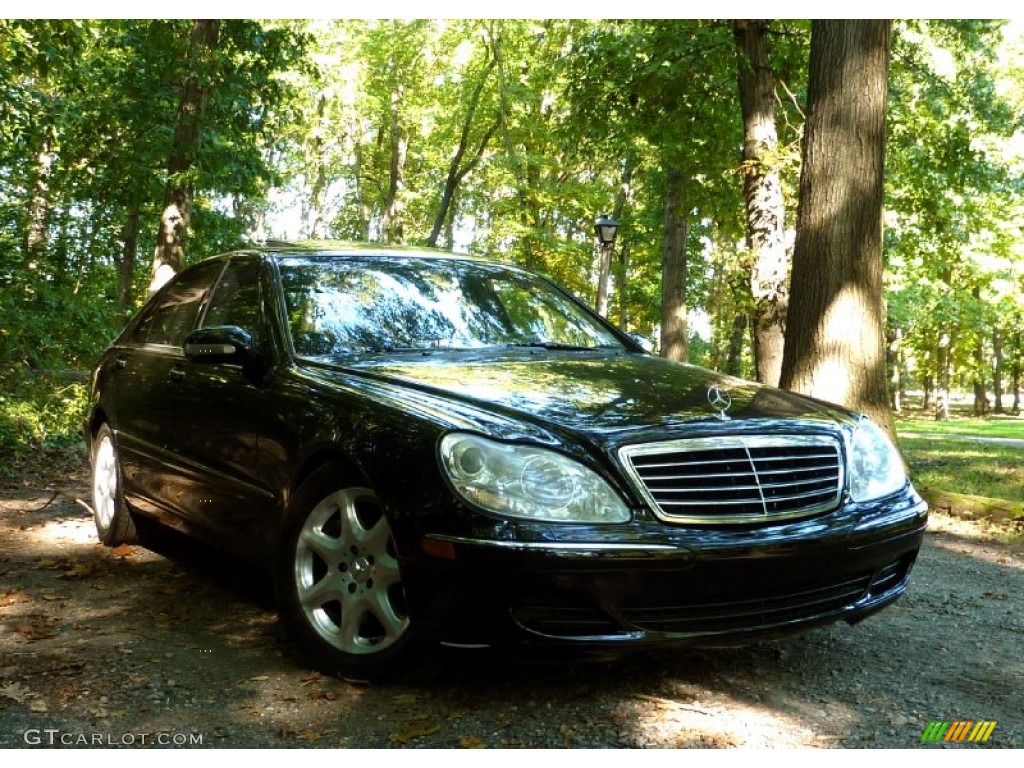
(174, 314)
(237, 299)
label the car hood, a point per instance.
(600, 392)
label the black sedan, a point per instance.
(428, 448)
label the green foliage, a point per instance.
(953, 253)
(551, 113)
(38, 413)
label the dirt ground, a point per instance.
(129, 647)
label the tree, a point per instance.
(834, 338)
(762, 192)
(169, 256)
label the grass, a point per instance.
(995, 426)
(961, 475)
(966, 467)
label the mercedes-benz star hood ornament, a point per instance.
(720, 400)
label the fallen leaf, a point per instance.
(413, 731)
(38, 705)
(322, 695)
(15, 691)
(471, 742)
(123, 551)
(80, 570)
(405, 698)
(37, 628)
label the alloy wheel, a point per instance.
(347, 576)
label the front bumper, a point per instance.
(684, 586)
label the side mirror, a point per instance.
(220, 344)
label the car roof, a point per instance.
(340, 249)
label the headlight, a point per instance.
(876, 467)
(529, 483)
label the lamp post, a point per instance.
(606, 229)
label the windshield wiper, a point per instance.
(557, 345)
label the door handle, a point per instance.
(176, 374)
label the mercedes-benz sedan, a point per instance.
(426, 448)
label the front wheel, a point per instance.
(339, 583)
(114, 523)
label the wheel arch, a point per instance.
(96, 420)
(350, 471)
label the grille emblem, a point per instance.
(720, 400)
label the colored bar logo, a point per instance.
(959, 730)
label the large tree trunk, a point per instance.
(673, 270)
(835, 349)
(169, 256)
(765, 207)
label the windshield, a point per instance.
(363, 305)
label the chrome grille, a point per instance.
(737, 478)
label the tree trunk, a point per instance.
(1018, 357)
(604, 268)
(945, 358)
(895, 349)
(734, 360)
(392, 227)
(362, 208)
(130, 236)
(622, 283)
(169, 256)
(39, 203)
(835, 348)
(604, 272)
(997, 369)
(673, 270)
(978, 378)
(456, 170)
(765, 207)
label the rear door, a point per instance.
(143, 400)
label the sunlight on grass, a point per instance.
(967, 467)
(1005, 427)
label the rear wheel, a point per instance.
(339, 583)
(114, 523)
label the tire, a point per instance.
(114, 523)
(338, 583)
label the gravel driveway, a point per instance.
(102, 647)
